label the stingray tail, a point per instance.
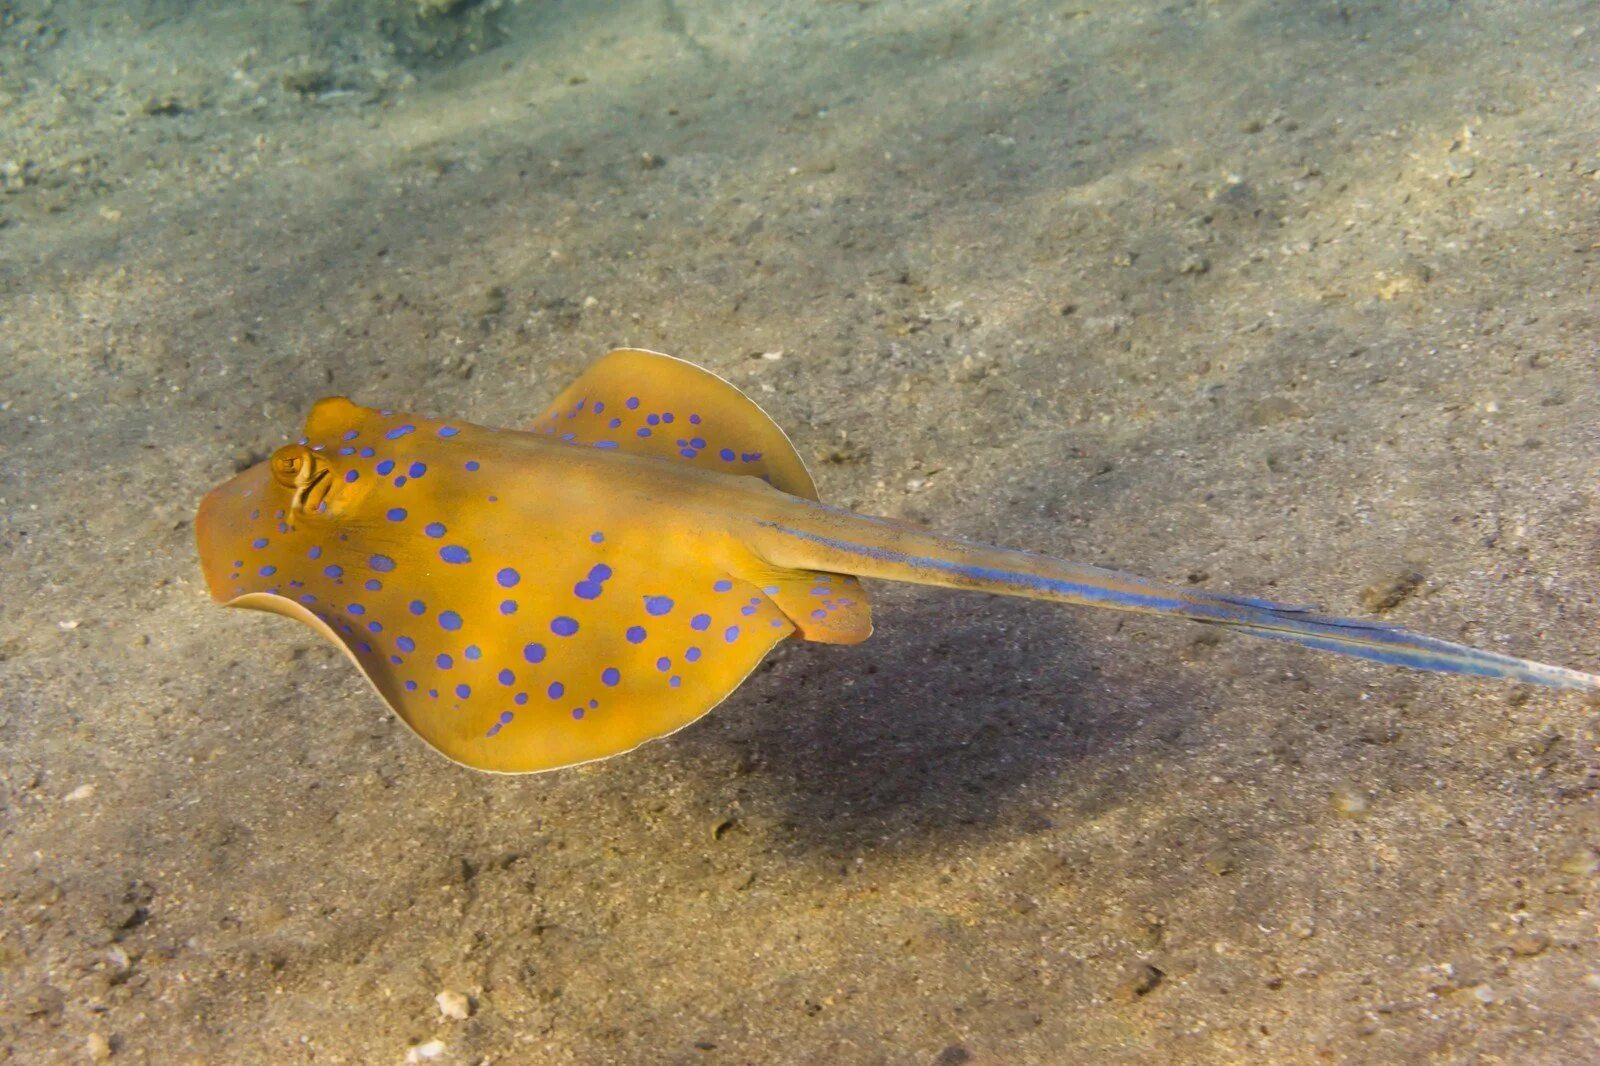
(818, 537)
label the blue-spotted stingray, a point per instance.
(526, 600)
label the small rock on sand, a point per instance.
(1387, 593)
(454, 1005)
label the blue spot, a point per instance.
(562, 626)
(351, 475)
(449, 620)
(610, 676)
(508, 606)
(599, 572)
(455, 553)
(384, 467)
(726, 454)
(418, 469)
(643, 432)
(399, 431)
(356, 608)
(674, 680)
(333, 570)
(747, 610)
(347, 451)
(577, 712)
(587, 590)
(632, 404)
(770, 590)
(463, 691)
(351, 434)
(507, 678)
(508, 578)
(373, 584)
(399, 481)
(374, 627)
(692, 655)
(520, 698)
(268, 571)
(411, 686)
(657, 605)
(614, 423)
(597, 538)
(653, 420)
(473, 652)
(667, 418)
(700, 622)
(314, 553)
(405, 644)
(434, 530)
(688, 453)
(694, 420)
(448, 431)
(636, 634)
(663, 664)
(367, 453)
(472, 464)
(396, 514)
(381, 563)
(443, 661)
(308, 598)
(259, 542)
(819, 615)
(417, 607)
(697, 442)
(534, 653)
(722, 586)
(731, 635)
(605, 445)
(556, 689)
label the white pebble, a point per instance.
(426, 1052)
(82, 792)
(454, 1005)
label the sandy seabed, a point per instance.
(1284, 298)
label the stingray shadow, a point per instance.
(941, 723)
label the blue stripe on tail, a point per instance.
(1376, 641)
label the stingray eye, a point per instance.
(294, 466)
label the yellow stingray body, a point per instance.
(526, 600)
